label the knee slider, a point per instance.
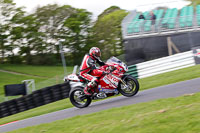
(92, 83)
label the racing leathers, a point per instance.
(89, 72)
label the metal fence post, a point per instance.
(62, 58)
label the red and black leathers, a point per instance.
(89, 72)
(88, 68)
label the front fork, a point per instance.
(124, 83)
(125, 86)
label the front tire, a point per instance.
(131, 88)
(78, 98)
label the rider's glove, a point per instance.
(104, 73)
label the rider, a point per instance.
(88, 68)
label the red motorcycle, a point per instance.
(113, 83)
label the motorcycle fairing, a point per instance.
(107, 90)
(109, 81)
(73, 77)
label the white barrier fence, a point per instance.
(165, 64)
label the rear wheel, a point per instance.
(78, 98)
(129, 86)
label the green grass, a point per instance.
(52, 107)
(40, 82)
(170, 77)
(172, 115)
(7, 78)
(47, 76)
(146, 83)
(43, 71)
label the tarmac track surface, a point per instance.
(172, 90)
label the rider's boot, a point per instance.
(86, 89)
(90, 85)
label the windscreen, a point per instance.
(114, 60)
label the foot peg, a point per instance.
(101, 95)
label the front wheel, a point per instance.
(78, 98)
(129, 86)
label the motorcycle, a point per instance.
(114, 82)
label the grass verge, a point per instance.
(7, 78)
(43, 71)
(170, 77)
(180, 115)
(52, 107)
(46, 76)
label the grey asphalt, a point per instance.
(172, 90)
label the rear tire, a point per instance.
(132, 87)
(78, 98)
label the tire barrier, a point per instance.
(37, 98)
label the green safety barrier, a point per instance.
(132, 70)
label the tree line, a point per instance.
(34, 38)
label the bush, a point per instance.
(44, 59)
(14, 59)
